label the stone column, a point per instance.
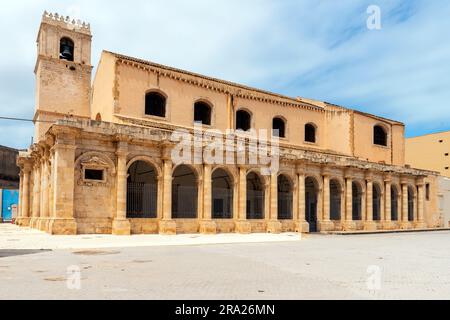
(325, 223)
(207, 225)
(387, 220)
(274, 225)
(301, 225)
(405, 222)
(349, 223)
(19, 208)
(242, 225)
(420, 223)
(167, 226)
(369, 224)
(63, 222)
(36, 193)
(25, 197)
(43, 223)
(121, 225)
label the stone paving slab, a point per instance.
(14, 237)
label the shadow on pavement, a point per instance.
(12, 253)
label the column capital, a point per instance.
(368, 175)
(420, 181)
(387, 178)
(326, 171)
(404, 180)
(349, 173)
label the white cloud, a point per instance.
(317, 49)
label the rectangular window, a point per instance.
(427, 191)
(93, 174)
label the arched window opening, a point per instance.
(98, 117)
(222, 195)
(202, 113)
(142, 191)
(310, 133)
(376, 202)
(410, 204)
(155, 104)
(379, 136)
(335, 200)
(184, 193)
(66, 49)
(243, 120)
(278, 128)
(311, 200)
(255, 197)
(356, 202)
(285, 198)
(394, 204)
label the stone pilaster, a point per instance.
(404, 220)
(45, 212)
(24, 219)
(273, 225)
(420, 223)
(121, 226)
(325, 224)
(369, 224)
(36, 193)
(301, 225)
(349, 223)
(242, 225)
(207, 225)
(167, 226)
(62, 221)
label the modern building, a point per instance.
(444, 200)
(105, 160)
(9, 183)
(430, 152)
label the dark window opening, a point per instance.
(278, 128)
(379, 136)
(394, 204)
(184, 193)
(440, 141)
(66, 49)
(243, 120)
(142, 191)
(222, 195)
(311, 203)
(356, 202)
(446, 154)
(310, 133)
(155, 104)
(98, 117)
(91, 174)
(410, 204)
(202, 113)
(376, 203)
(285, 198)
(427, 191)
(255, 197)
(335, 200)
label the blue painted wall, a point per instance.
(9, 198)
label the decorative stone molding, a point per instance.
(95, 161)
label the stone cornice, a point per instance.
(214, 84)
(299, 154)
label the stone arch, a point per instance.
(311, 132)
(285, 196)
(66, 49)
(142, 189)
(336, 192)
(203, 111)
(185, 193)
(256, 186)
(376, 201)
(395, 198)
(156, 103)
(380, 135)
(222, 191)
(312, 189)
(244, 119)
(149, 160)
(279, 123)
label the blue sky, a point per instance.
(315, 49)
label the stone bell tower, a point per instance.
(63, 71)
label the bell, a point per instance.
(66, 53)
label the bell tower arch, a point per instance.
(63, 71)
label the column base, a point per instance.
(388, 225)
(121, 228)
(370, 226)
(325, 226)
(208, 227)
(243, 227)
(33, 222)
(349, 226)
(42, 224)
(274, 227)
(23, 222)
(405, 225)
(65, 227)
(168, 227)
(301, 227)
(420, 225)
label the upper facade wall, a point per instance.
(339, 130)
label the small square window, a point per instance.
(446, 154)
(93, 174)
(440, 141)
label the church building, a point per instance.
(102, 159)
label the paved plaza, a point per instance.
(381, 266)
